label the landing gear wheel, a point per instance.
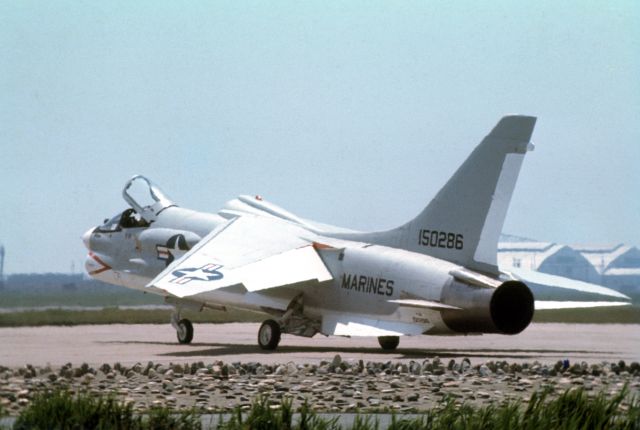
(185, 331)
(269, 335)
(389, 343)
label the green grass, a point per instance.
(119, 316)
(263, 416)
(114, 315)
(607, 315)
(62, 410)
(30, 299)
(572, 410)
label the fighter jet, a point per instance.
(436, 274)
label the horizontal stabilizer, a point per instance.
(428, 304)
(555, 288)
(541, 305)
(474, 279)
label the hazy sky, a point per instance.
(349, 113)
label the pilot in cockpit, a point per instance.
(131, 219)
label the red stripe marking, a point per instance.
(104, 265)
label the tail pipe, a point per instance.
(507, 309)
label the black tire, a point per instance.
(389, 343)
(185, 331)
(269, 335)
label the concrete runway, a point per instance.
(128, 344)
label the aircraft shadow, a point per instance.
(212, 350)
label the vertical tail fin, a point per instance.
(463, 222)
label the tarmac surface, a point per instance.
(236, 342)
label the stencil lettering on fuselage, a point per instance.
(367, 284)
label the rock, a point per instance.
(415, 368)
(451, 364)
(465, 365)
(292, 369)
(395, 383)
(337, 361)
(576, 369)
(224, 371)
(484, 371)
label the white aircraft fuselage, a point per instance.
(437, 274)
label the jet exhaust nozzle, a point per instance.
(507, 309)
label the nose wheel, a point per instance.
(269, 335)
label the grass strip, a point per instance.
(13, 299)
(115, 315)
(572, 410)
(605, 315)
(62, 410)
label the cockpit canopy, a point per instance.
(146, 200)
(127, 219)
(149, 200)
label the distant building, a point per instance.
(618, 265)
(614, 266)
(546, 257)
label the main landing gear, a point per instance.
(269, 335)
(184, 331)
(389, 343)
(184, 328)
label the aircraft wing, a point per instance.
(557, 292)
(252, 252)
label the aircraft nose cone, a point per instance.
(86, 237)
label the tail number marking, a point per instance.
(440, 239)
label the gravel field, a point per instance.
(143, 364)
(330, 386)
